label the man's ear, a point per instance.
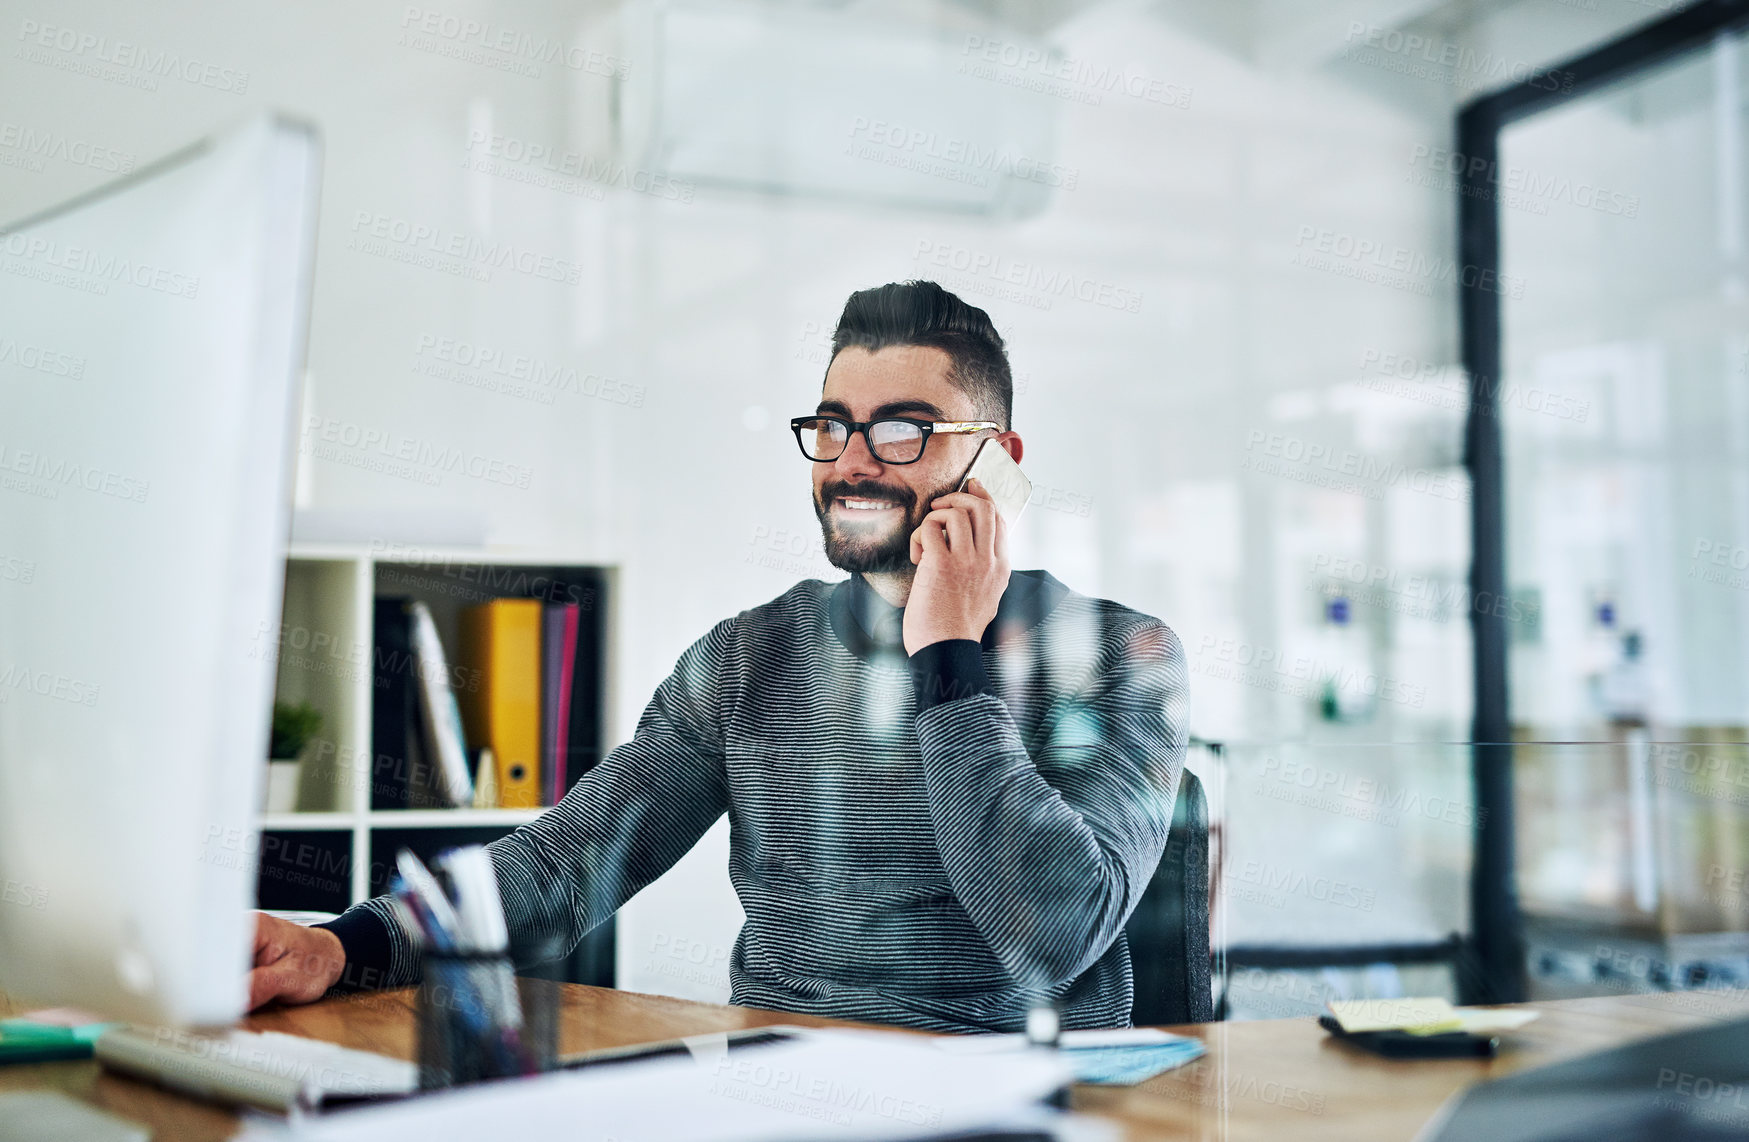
(1010, 442)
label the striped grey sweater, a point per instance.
(938, 842)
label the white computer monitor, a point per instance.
(152, 340)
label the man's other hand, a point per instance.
(961, 553)
(293, 964)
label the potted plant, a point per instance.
(293, 727)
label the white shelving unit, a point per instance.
(324, 647)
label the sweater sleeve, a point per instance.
(620, 827)
(1049, 851)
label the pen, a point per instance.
(428, 892)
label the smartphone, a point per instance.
(1002, 478)
(1405, 1045)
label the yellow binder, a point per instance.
(500, 698)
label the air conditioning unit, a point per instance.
(791, 100)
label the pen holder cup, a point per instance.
(478, 1021)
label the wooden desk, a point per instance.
(1281, 1078)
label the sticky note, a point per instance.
(1424, 1016)
(1358, 1015)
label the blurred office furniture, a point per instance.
(1646, 836)
(1449, 954)
(1169, 930)
(1598, 200)
(337, 849)
(1634, 863)
(1266, 1079)
(1620, 893)
(1366, 899)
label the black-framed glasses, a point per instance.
(893, 439)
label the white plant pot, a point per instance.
(282, 786)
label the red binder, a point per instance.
(558, 658)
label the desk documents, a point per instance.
(1118, 1057)
(1267, 1079)
(1424, 1017)
(840, 1084)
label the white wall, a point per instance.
(1151, 425)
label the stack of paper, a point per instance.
(1116, 1057)
(835, 1084)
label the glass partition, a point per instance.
(1607, 345)
(1342, 870)
(1624, 405)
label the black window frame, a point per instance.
(1497, 952)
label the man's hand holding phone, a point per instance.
(961, 553)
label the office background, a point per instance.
(1221, 238)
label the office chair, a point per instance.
(1169, 930)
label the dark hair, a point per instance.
(922, 313)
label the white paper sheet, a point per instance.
(849, 1085)
(1111, 1037)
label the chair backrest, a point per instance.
(1169, 930)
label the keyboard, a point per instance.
(266, 1069)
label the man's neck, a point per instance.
(893, 586)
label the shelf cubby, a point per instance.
(321, 856)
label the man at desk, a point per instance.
(947, 784)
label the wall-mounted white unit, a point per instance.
(781, 100)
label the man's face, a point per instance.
(869, 509)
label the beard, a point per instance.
(870, 548)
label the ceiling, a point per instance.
(1291, 35)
